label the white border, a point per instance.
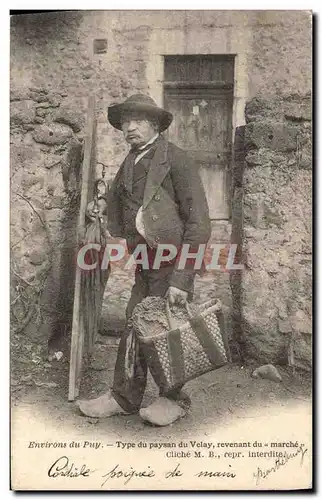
(4, 185)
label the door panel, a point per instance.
(200, 68)
(202, 126)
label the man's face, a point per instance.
(137, 129)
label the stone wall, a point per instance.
(54, 69)
(56, 51)
(273, 294)
(281, 54)
(46, 148)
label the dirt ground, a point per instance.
(227, 392)
(227, 405)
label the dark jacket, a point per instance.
(175, 208)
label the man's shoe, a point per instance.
(101, 407)
(163, 412)
(182, 398)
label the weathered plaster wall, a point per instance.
(281, 55)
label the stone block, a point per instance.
(284, 326)
(19, 94)
(41, 112)
(301, 322)
(71, 117)
(39, 90)
(254, 158)
(51, 160)
(53, 134)
(262, 341)
(282, 311)
(37, 257)
(22, 112)
(38, 97)
(254, 233)
(29, 126)
(54, 100)
(272, 217)
(298, 111)
(43, 105)
(306, 162)
(256, 108)
(253, 209)
(302, 352)
(265, 158)
(31, 180)
(275, 136)
(45, 98)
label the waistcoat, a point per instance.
(131, 202)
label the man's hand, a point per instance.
(101, 206)
(176, 296)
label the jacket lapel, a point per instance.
(128, 165)
(157, 171)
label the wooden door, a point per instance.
(202, 125)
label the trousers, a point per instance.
(130, 374)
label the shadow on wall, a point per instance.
(236, 238)
(60, 284)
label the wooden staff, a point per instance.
(79, 325)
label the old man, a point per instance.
(156, 198)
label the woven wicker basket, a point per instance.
(182, 343)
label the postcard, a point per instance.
(161, 228)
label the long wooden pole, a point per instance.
(77, 338)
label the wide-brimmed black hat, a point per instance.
(143, 104)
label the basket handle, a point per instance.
(169, 314)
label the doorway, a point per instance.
(198, 90)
